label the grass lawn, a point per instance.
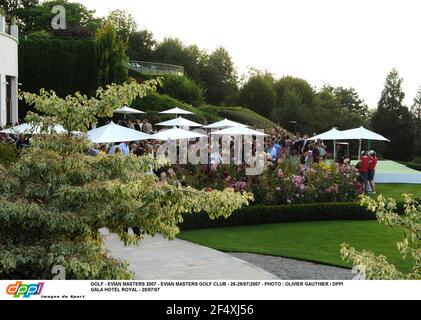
(395, 190)
(312, 241)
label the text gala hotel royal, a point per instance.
(8, 72)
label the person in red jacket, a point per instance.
(372, 163)
(363, 169)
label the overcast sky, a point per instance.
(343, 43)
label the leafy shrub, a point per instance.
(390, 214)
(7, 154)
(184, 89)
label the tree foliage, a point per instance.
(378, 267)
(33, 16)
(141, 45)
(341, 108)
(393, 120)
(416, 113)
(219, 76)
(110, 55)
(296, 101)
(174, 51)
(259, 94)
(124, 24)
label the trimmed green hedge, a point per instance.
(62, 65)
(255, 215)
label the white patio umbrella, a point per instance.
(362, 133)
(179, 122)
(115, 133)
(238, 131)
(27, 128)
(176, 134)
(224, 124)
(333, 134)
(126, 110)
(176, 111)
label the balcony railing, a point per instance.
(9, 31)
(155, 68)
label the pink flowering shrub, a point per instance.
(286, 182)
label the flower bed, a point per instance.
(287, 182)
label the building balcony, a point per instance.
(154, 68)
(8, 29)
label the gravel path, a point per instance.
(289, 269)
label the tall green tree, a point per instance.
(258, 93)
(124, 23)
(416, 112)
(110, 55)
(296, 101)
(141, 45)
(351, 102)
(219, 76)
(341, 108)
(34, 16)
(174, 51)
(393, 120)
(12, 8)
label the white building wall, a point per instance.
(8, 67)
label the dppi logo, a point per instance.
(19, 290)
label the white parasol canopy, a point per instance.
(179, 122)
(176, 111)
(238, 131)
(224, 124)
(27, 128)
(126, 110)
(115, 133)
(362, 133)
(176, 134)
(333, 134)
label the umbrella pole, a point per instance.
(360, 149)
(334, 150)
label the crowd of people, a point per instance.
(279, 144)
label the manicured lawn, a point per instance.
(313, 241)
(395, 190)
